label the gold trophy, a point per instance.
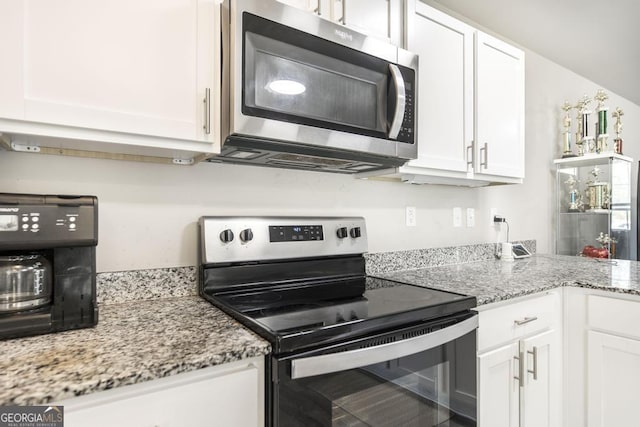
(617, 143)
(566, 133)
(601, 128)
(597, 192)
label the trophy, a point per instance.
(617, 143)
(583, 140)
(566, 133)
(607, 242)
(601, 128)
(575, 199)
(597, 192)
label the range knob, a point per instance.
(226, 236)
(355, 232)
(341, 232)
(246, 235)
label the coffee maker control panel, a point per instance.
(30, 221)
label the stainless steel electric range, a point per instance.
(348, 349)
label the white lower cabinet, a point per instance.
(613, 375)
(498, 390)
(230, 395)
(603, 358)
(520, 362)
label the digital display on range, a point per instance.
(295, 233)
(8, 222)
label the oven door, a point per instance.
(300, 78)
(421, 376)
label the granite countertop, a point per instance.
(491, 281)
(133, 342)
(138, 341)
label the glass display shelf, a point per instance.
(593, 205)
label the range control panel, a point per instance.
(37, 222)
(246, 239)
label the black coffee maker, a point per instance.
(47, 263)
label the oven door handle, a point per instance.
(342, 361)
(398, 115)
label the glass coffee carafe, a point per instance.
(25, 282)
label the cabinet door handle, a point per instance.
(519, 369)
(470, 155)
(525, 320)
(485, 164)
(318, 10)
(207, 111)
(534, 353)
(343, 18)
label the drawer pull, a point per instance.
(534, 353)
(525, 320)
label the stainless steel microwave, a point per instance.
(302, 92)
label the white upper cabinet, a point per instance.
(378, 18)
(470, 103)
(499, 108)
(315, 6)
(445, 88)
(139, 67)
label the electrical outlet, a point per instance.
(457, 217)
(471, 217)
(493, 212)
(410, 216)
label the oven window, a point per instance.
(432, 388)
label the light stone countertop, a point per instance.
(133, 342)
(491, 281)
(136, 341)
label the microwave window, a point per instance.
(8, 222)
(283, 78)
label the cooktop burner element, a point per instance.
(301, 282)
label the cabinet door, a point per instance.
(498, 389)
(11, 45)
(314, 6)
(542, 399)
(499, 108)
(613, 375)
(445, 87)
(228, 399)
(379, 18)
(134, 66)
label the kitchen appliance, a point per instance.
(47, 263)
(347, 348)
(299, 91)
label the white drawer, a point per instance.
(611, 314)
(502, 323)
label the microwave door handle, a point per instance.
(342, 361)
(398, 115)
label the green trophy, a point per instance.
(602, 135)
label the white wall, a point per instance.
(148, 212)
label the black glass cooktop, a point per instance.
(299, 316)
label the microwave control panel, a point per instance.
(407, 131)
